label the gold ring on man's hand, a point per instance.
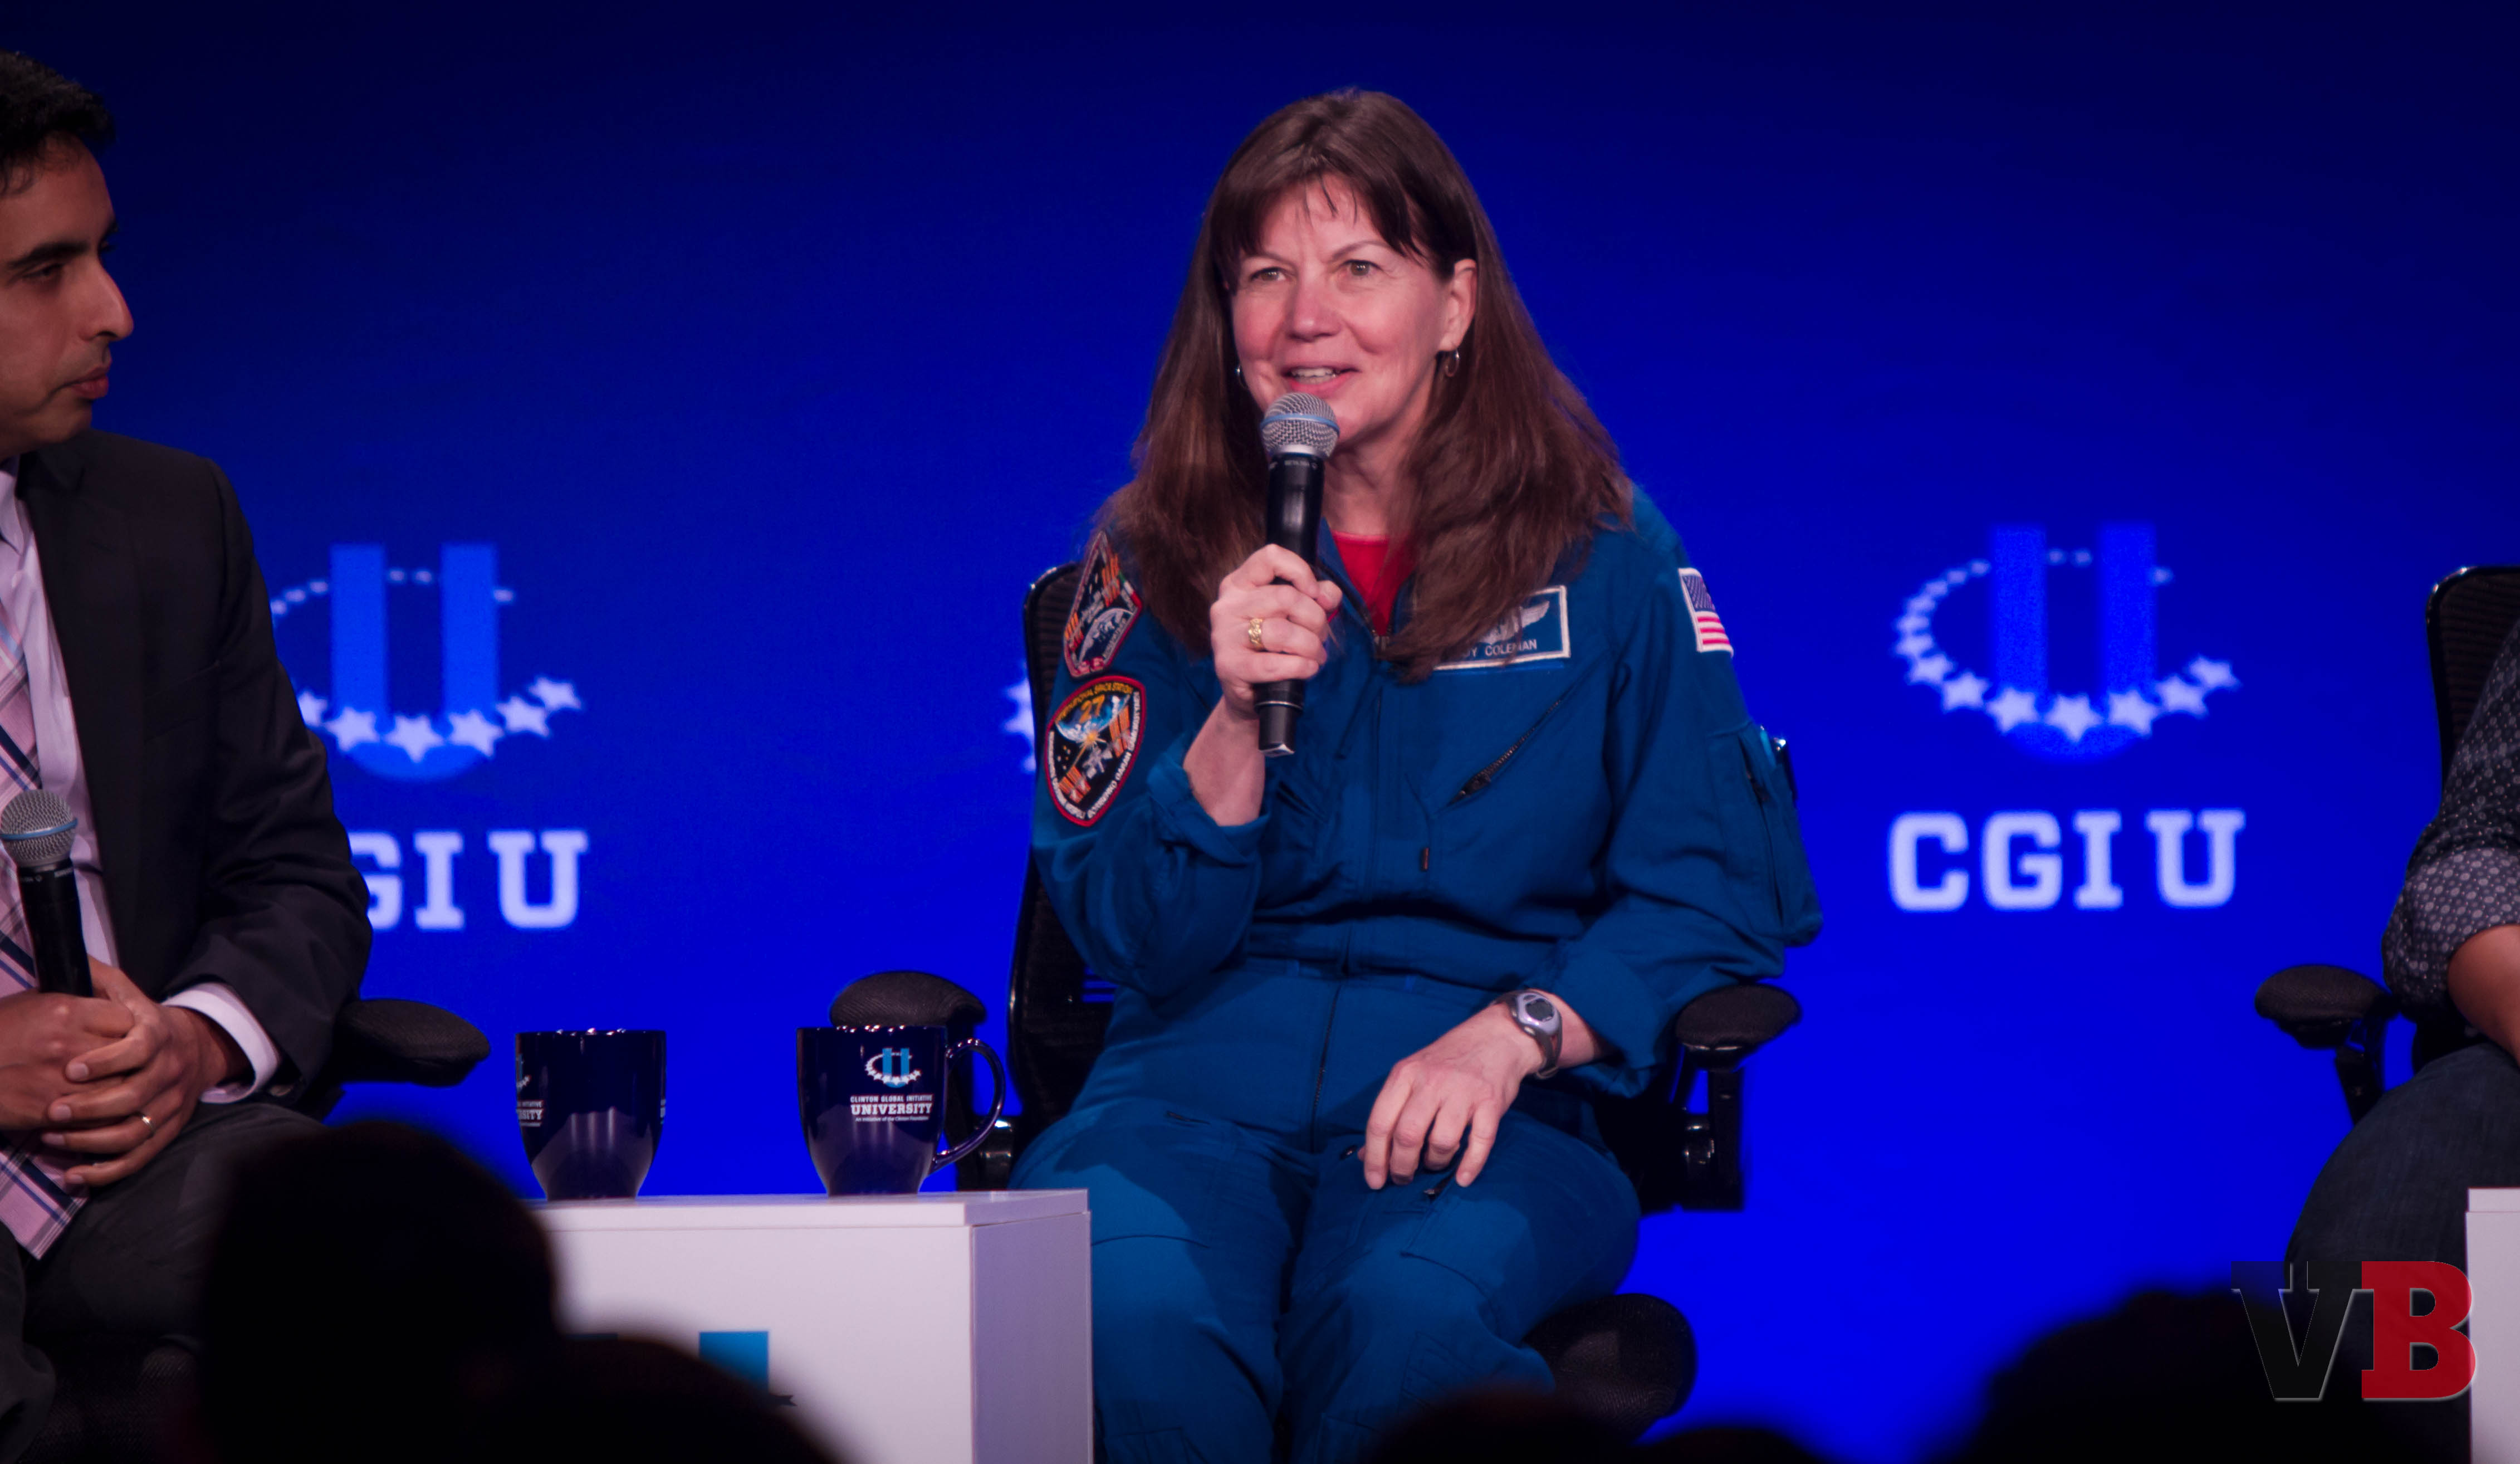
(148, 1123)
(1251, 633)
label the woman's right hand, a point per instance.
(1226, 770)
(1295, 620)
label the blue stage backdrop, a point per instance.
(650, 418)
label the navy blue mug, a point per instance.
(591, 1106)
(874, 1104)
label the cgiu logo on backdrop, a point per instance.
(368, 730)
(2021, 863)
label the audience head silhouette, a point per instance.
(375, 1294)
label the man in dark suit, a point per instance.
(138, 682)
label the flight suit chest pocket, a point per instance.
(1522, 804)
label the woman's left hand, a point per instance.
(1457, 1087)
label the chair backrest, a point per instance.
(1055, 1011)
(2466, 620)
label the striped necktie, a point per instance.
(35, 1203)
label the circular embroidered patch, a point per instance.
(1093, 743)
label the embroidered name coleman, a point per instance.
(906, 1108)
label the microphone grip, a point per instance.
(49, 895)
(1280, 703)
(1294, 517)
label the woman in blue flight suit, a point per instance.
(1332, 1173)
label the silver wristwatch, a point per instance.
(1537, 1016)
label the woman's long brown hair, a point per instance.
(1510, 468)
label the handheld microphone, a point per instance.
(1300, 434)
(37, 827)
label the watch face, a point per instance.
(1538, 1009)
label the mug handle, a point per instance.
(997, 1104)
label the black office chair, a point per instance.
(2329, 1008)
(113, 1394)
(1629, 1359)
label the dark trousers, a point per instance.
(2396, 1189)
(131, 1262)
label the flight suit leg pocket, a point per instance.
(1550, 1221)
(1148, 1170)
(1437, 1370)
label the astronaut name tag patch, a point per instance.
(1093, 743)
(1107, 606)
(1537, 632)
(1702, 618)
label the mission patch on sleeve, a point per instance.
(1107, 606)
(1093, 743)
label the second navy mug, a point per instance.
(591, 1106)
(872, 1099)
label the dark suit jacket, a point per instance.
(223, 861)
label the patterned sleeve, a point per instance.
(2465, 873)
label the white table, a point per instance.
(2493, 1324)
(942, 1328)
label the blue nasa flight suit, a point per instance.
(1596, 816)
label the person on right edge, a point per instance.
(2396, 1188)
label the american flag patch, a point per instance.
(1702, 618)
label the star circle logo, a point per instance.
(359, 714)
(2060, 725)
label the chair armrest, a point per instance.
(386, 1040)
(1729, 1022)
(1674, 1155)
(2330, 1009)
(2317, 1006)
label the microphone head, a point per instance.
(37, 827)
(1299, 422)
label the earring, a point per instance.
(1237, 371)
(1453, 362)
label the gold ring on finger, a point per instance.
(148, 1123)
(1251, 633)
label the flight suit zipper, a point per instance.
(1322, 1069)
(1352, 606)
